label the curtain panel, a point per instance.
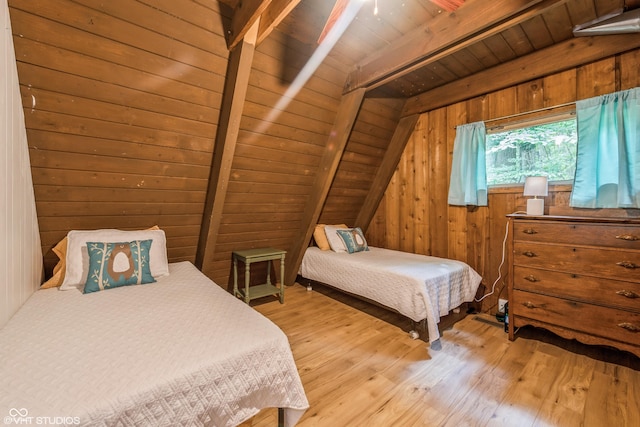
(608, 158)
(468, 183)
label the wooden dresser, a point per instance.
(577, 277)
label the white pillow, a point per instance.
(77, 262)
(335, 241)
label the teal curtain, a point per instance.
(468, 183)
(608, 159)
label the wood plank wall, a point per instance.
(414, 215)
(361, 159)
(121, 100)
(278, 151)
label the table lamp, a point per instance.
(535, 186)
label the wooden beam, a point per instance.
(245, 15)
(557, 58)
(386, 170)
(336, 143)
(273, 15)
(235, 91)
(446, 32)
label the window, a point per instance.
(541, 149)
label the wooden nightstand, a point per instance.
(258, 255)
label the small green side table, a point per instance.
(257, 255)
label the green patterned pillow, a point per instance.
(353, 239)
(118, 264)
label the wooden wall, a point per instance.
(361, 159)
(20, 254)
(280, 148)
(414, 215)
(121, 100)
(277, 153)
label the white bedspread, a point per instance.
(181, 351)
(417, 286)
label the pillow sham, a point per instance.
(335, 241)
(320, 237)
(59, 270)
(77, 259)
(353, 240)
(112, 265)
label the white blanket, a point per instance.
(181, 351)
(417, 286)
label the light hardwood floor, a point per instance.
(360, 370)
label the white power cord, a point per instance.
(493, 288)
(504, 242)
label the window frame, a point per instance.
(530, 119)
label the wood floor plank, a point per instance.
(565, 403)
(610, 394)
(359, 367)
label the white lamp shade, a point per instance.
(536, 186)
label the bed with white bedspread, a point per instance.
(416, 286)
(180, 351)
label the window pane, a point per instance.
(548, 149)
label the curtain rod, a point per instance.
(562, 107)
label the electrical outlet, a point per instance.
(501, 303)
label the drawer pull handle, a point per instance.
(628, 294)
(629, 327)
(529, 254)
(529, 231)
(531, 278)
(529, 304)
(628, 237)
(627, 264)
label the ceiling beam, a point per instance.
(245, 15)
(336, 143)
(385, 172)
(554, 59)
(444, 35)
(235, 92)
(273, 15)
(268, 12)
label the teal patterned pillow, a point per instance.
(118, 264)
(353, 239)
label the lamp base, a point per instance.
(535, 207)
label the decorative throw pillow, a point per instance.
(335, 241)
(353, 239)
(118, 264)
(77, 259)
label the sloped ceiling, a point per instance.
(138, 114)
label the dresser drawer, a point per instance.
(614, 235)
(606, 322)
(613, 293)
(610, 263)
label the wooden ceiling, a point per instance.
(413, 46)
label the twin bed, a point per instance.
(422, 288)
(178, 351)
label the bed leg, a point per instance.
(280, 417)
(413, 333)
